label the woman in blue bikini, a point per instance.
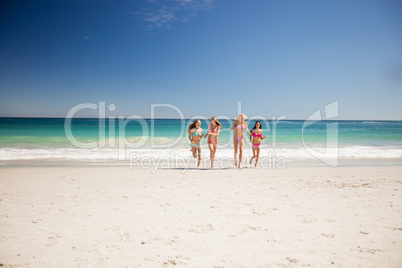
(238, 140)
(195, 134)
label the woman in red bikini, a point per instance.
(255, 138)
(238, 140)
(213, 132)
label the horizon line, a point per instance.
(287, 119)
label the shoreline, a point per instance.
(189, 162)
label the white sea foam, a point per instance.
(112, 154)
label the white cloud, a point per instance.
(163, 13)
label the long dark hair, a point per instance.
(192, 125)
(216, 121)
(255, 127)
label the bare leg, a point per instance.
(241, 145)
(194, 150)
(199, 156)
(236, 144)
(215, 147)
(251, 160)
(211, 154)
(258, 156)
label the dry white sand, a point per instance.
(118, 217)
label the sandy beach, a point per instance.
(107, 108)
(121, 217)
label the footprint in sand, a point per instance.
(328, 235)
(258, 213)
(202, 228)
(368, 250)
(256, 228)
(292, 260)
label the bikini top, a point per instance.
(237, 127)
(215, 130)
(257, 135)
(196, 134)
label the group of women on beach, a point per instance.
(239, 125)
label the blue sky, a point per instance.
(279, 58)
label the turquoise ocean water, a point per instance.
(35, 139)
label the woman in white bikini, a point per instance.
(238, 140)
(255, 138)
(213, 132)
(195, 134)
